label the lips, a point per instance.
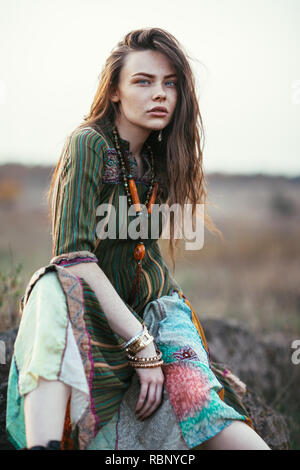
(158, 109)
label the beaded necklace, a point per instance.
(133, 198)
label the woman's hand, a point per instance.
(151, 382)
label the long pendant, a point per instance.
(133, 198)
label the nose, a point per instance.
(159, 93)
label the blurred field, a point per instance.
(251, 276)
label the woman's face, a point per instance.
(147, 80)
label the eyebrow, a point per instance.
(152, 76)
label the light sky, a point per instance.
(245, 56)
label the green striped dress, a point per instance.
(91, 177)
(201, 401)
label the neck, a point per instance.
(136, 136)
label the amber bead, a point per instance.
(153, 197)
(139, 252)
(134, 194)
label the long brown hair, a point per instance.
(180, 148)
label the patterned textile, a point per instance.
(201, 399)
(191, 401)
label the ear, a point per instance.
(114, 96)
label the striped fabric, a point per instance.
(90, 176)
(76, 194)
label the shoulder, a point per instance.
(87, 137)
(85, 149)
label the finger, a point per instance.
(158, 397)
(151, 399)
(142, 396)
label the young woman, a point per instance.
(110, 353)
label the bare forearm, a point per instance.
(119, 317)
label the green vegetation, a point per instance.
(10, 294)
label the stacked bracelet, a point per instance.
(145, 359)
(134, 338)
(139, 342)
(145, 362)
(136, 344)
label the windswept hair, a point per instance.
(180, 148)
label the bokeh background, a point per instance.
(245, 56)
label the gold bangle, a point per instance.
(145, 366)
